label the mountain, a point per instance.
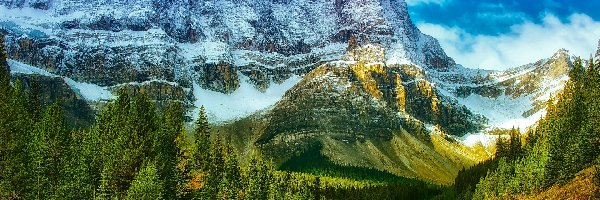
(362, 112)
(354, 78)
(512, 98)
(108, 43)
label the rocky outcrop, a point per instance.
(221, 77)
(258, 77)
(357, 100)
(49, 90)
(161, 92)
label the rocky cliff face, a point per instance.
(361, 97)
(109, 43)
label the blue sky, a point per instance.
(498, 34)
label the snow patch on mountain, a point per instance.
(90, 92)
(502, 112)
(472, 140)
(241, 103)
(22, 68)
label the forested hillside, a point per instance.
(549, 156)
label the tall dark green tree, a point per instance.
(5, 135)
(216, 168)
(5, 88)
(202, 142)
(127, 130)
(515, 144)
(230, 183)
(258, 177)
(167, 150)
(77, 174)
(16, 134)
(49, 152)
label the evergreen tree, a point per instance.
(502, 147)
(184, 166)
(5, 134)
(258, 178)
(48, 152)
(230, 184)
(167, 150)
(202, 141)
(216, 168)
(201, 161)
(14, 138)
(39, 169)
(127, 131)
(77, 180)
(146, 185)
(515, 145)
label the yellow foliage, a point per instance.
(197, 181)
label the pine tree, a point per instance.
(39, 170)
(77, 181)
(502, 147)
(216, 168)
(515, 145)
(167, 150)
(201, 160)
(127, 130)
(5, 134)
(48, 152)
(184, 166)
(231, 178)
(15, 135)
(202, 141)
(146, 185)
(258, 178)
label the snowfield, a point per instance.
(241, 103)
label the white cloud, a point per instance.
(525, 43)
(416, 2)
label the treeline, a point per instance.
(565, 142)
(136, 151)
